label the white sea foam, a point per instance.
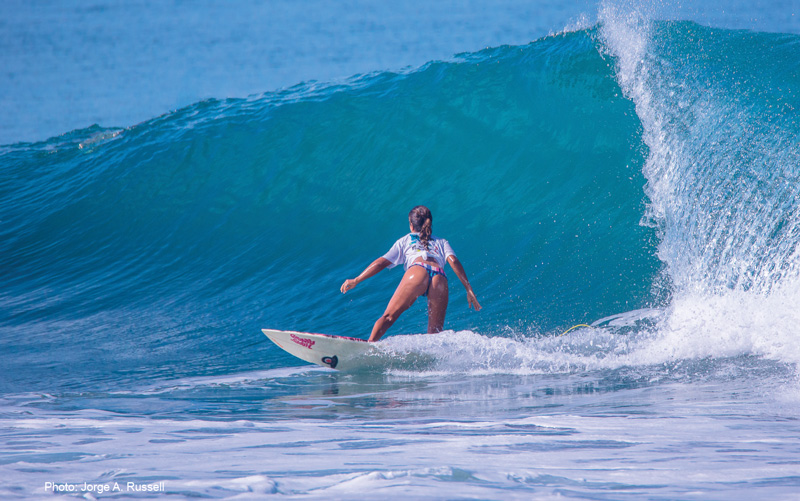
(693, 327)
(732, 324)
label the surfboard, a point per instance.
(335, 352)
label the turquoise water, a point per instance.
(633, 172)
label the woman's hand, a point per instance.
(348, 284)
(473, 300)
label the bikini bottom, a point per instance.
(432, 272)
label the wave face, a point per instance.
(626, 166)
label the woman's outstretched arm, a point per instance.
(462, 275)
(371, 270)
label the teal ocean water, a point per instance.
(634, 173)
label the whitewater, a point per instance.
(635, 174)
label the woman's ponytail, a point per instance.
(421, 220)
(425, 233)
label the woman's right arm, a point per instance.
(370, 271)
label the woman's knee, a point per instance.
(389, 317)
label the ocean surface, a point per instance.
(629, 166)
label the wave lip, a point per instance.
(718, 108)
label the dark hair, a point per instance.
(421, 220)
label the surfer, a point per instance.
(423, 256)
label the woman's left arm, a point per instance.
(462, 275)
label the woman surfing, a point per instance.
(423, 256)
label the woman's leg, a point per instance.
(412, 286)
(437, 303)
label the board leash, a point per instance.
(575, 327)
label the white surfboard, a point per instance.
(336, 352)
